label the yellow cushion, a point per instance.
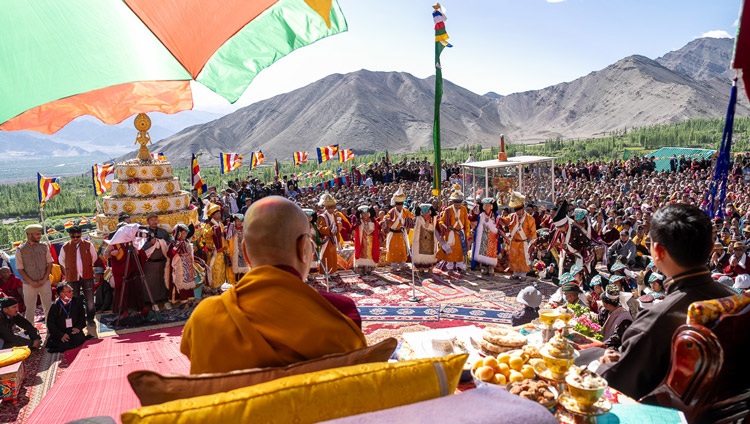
(318, 396)
(153, 388)
(707, 312)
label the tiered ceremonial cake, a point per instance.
(143, 186)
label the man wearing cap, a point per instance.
(11, 286)
(531, 298)
(213, 237)
(681, 244)
(618, 318)
(77, 259)
(34, 263)
(329, 226)
(571, 242)
(9, 319)
(366, 240)
(397, 221)
(521, 231)
(454, 225)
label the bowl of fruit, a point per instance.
(502, 369)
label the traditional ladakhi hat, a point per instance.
(399, 196)
(33, 228)
(425, 208)
(616, 278)
(516, 200)
(189, 228)
(580, 213)
(566, 278)
(739, 245)
(575, 269)
(571, 287)
(530, 296)
(655, 276)
(308, 211)
(212, 209)
(363, 208)
(327, 200)
(646, 301)
(488, 201)
(456, 194)
(618, 266)
(561, 216)
(598, 280)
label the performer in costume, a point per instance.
(213, 237)
(397, 220)
(571, 242)
(424, 243)
(521, 231)
(366, 240)
(128, 289)
(238, 266)
(329, 226)
(453, 225)
(312, 218)
(180, 272)
(484, 247)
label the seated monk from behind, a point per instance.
(271, 317)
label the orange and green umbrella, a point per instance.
(115, 58)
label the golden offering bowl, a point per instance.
(548, 316)
(566, 316)
(585, 398)
(558, 367)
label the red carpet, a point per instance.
(96, 382)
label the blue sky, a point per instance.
(504, 46)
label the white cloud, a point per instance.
(717, 33)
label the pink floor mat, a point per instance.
(96, 384)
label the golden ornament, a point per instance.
(170, 187)
(158, 171)
(121, 189)
(131, 172)
(145, 189)
(147, 207)
(128, 207)
(163, 205)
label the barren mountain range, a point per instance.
(373, 111)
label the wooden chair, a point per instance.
(709, 375)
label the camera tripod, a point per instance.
(133, 255)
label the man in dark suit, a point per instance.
(9, 319)
(680, 247)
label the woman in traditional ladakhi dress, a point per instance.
(366, 241)
(424, 243)
(484, 248)
(180, 272)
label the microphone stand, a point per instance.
(413, 297)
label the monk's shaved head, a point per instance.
(271, 235)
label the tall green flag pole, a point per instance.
(441, 42)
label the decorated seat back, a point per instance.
(708, 377)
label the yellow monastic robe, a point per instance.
(213, 237)
(450, 223)
(394, 240)
(271, 318)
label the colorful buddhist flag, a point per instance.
(47, 187)
(158, 156)
(346, 155)
(327, 153)
(83, 221)
(51, 231)
(69, 224)
(195, 176)
(17, 243)
(230, 162)
(441, 42)
(102, 175)
(257, 159)
(299, 157)
(276, 167)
